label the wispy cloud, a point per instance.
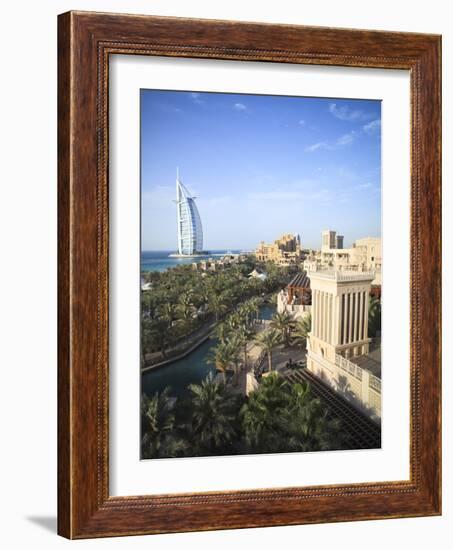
(372, 127)
(346, 139)
(343, 140)
(240, 107)
(302, 122)
(316, 146)
(344, 112)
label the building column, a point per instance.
(365, 312)
(351, 314)
(313, 313)
(360, 315)
(321, 319)
(317, 313)
(344, 337)
(328, 317)
(356, 317)
(337, 320)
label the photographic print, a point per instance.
(261, 263)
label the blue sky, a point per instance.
(260, 166)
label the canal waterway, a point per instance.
(191, 369)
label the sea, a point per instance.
(159, 260)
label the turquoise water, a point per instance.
(152, 260)
(266, 311)
(192, 369)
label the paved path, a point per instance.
(173, 354)
(280, 357)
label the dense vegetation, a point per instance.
(183, 300)
(212, 419)
(374, 316)
(277, 417)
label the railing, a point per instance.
(348, 366)
(357, 372)
(375, 383)
(336, 275)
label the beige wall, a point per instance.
(283, 251)
(353, 386)
(340, 331)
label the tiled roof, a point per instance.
(300, 280)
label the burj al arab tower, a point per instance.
(190, 230)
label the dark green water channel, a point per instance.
(192, 369)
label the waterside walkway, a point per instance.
(181, 350)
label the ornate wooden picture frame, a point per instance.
(86, 40)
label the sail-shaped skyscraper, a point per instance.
(190, 230)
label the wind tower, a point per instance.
(339, 317)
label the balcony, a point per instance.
(357, 372)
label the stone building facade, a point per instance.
(284, 251)
(338, 347)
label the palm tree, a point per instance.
(280, 417)
(242, 312)
(234, 321)
(262, 416)
(159, 336)
(167, 312)
(185, 310)
(147, 303)
(254, 305)
(235, 344)
(252, 308)
(244, 334)
(221, 356)
(185, 300)
(212, 415)
(222, 331)
(302, 329)
(216, 305)
(268, 341)
(159, 438)
(146, 339)
(283, 323)
(307, 423)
